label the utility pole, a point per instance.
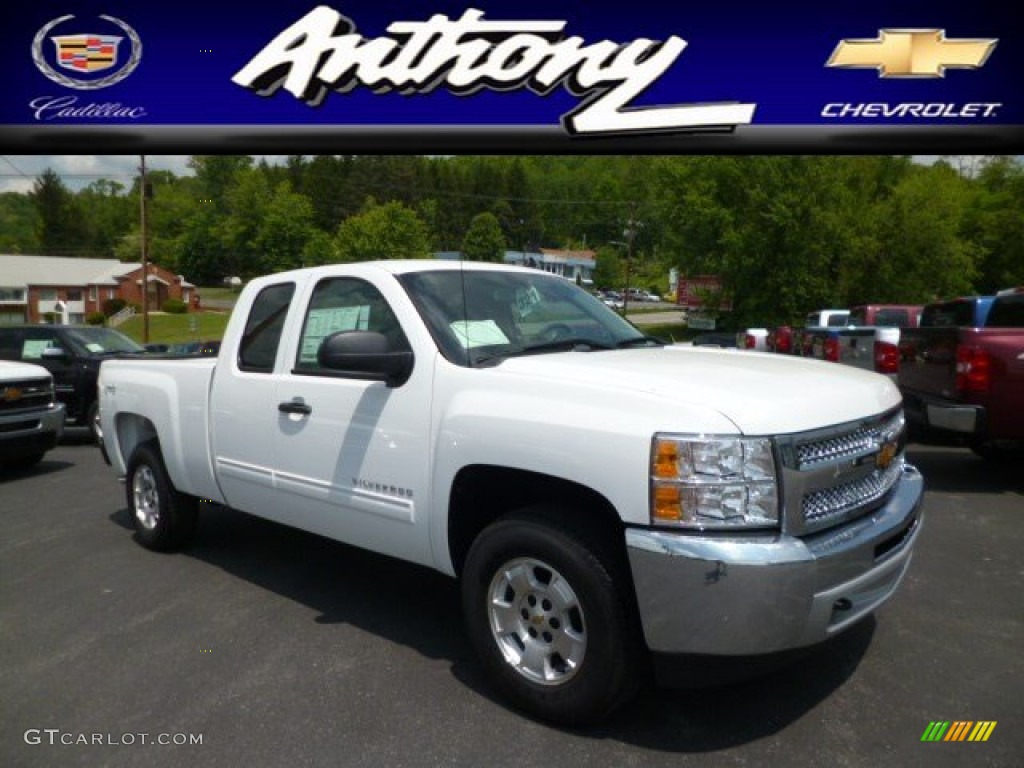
(630, 234)
(145, 253)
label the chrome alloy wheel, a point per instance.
(537, 621)
(146, 497)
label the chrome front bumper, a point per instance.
(746, 595)
(35, 431)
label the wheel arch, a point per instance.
(482, 494)
(132, 431)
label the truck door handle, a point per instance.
(293, 406)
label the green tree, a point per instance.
(926, 258)
(247, 202)
(995, 222)
(19, 223)
(286, 228)
(484, 240)
(61, 229)
(319, 249)
(388, 231)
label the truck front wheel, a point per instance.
(550, 618)
(164, 518)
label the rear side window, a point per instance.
(837, 320)
(1007, 312)
(10, 344)
(951, 314)
(897, 317)
(258, 348)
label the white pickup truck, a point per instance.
(603, 498)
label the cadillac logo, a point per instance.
(86, 53)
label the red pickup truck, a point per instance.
(962, 372)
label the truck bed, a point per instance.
(929, 371)
(174, 395)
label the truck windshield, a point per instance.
(102, 341)
(479, 317)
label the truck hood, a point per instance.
(10, 371)
(762, 394)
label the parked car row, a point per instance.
(69, 357)
(959, 363)
(617, 299)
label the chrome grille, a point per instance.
(858, 442)
(833, 504)
(25, 394)
(836, 475)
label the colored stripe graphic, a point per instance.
(958, 730)
(982, 730)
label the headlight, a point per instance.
(713, 482)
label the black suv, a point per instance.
(72, 354)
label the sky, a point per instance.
(19, 172)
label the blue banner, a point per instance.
(586, 70)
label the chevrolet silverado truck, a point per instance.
(871, 340)
(603, 498)
(962, 372)
(31, 419)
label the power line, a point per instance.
(20, 172)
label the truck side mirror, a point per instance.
(365, 355)
(54, 353)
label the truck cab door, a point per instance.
(243, 413)
(42, 345)
(351, 454)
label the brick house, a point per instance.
(32, 286)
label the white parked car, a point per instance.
(31, 419)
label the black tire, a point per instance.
(606, 672)
(164, 518)
(92, 422)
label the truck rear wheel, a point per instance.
(550, 618)
(164, 518)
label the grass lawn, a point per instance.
(171, 329)
(219, 293)
(669, 331)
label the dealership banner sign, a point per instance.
(565, 75)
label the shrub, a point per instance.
(175, 307)
(96, 318)
(112, 306)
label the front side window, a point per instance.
(258, 348)
(345, 304)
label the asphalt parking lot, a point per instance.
(276, 648)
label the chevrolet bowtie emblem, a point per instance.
(912, 53)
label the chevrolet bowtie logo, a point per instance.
(912, 53)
